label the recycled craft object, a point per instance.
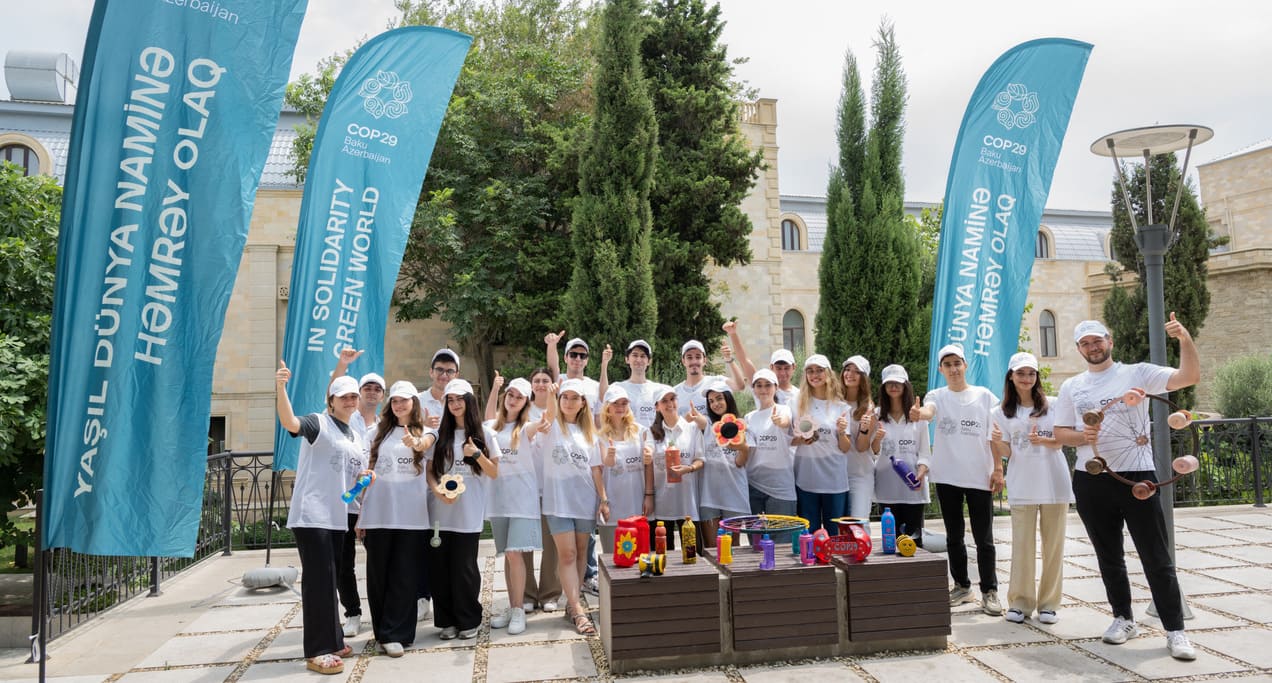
(730, 431)
(436, 540)
(365, 479)
(451, 485)
(907, 473)
(1126, 436)
(652, 564)
(852, 541)
(806, 428)
(625, 549)
(906, 546)
(764, 524)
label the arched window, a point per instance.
(790, 236)
(22, 156)
(793, 331)
(1047, 334)
(1042, 249)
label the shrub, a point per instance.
(1243, 387)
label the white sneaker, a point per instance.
(1015, 616)
(528, 606)
(449, 633)
(1047, 616)
(469, 633)
(392, 649)
(501, 620)
(517, 622)
(592, 586)
(423, 608)
(550, 606)
(1179, 646)
(352, 625)
(1121, 630)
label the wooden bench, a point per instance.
(891, 597)
(792, 605)
(666, 621)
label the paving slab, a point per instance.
(1147, 656)
(203, 674)
(443, 666)
(695, 676)
(1188, 558)
(1256, 554)
(1256, 607)
(1091, 589)
(239, 618)
(1204, 523)
(1248, 644)
(1202, 619)
(539, 662)
(944, 667)
(1248, 535)
(800, 673)
(260, 596)
(1196, 583)
(1200, 539)
(1258, 578)
(292, 672)
(976, 630)
(1051, 663)
(1256, 519)
(1077, 622)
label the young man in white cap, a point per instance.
(1105, 504)
(443, 368)
(640, 391)
(964, 470)
(781, 362)
(693, 356)
(576, 358)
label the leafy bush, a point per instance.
(1243, 387)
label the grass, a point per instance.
(6, 553)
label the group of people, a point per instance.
(560, 456)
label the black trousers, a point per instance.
(346, 580)
(420, 571)
(392, 556)
(456, 581)
(980, 510)
(1104, 504)
(318, 550)
(909, 518)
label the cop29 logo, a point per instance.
(385, 95)
(1016, 106)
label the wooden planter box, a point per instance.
(890, 597)
(645, 621)
(793, 605)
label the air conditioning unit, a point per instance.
(36, 76)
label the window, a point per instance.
(1042, 249)
(22, 156)
(793, 331)
(790, 237)
(1047, 334)
(216, 435)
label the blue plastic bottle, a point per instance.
(768, 560)
(889, 525)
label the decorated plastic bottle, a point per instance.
(724, 546)
(673, 459)
(660, 539)
(768, 553)
(795, 539)
(806, 548)
(689, 541)
(889, 524)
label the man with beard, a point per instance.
(1104, 503)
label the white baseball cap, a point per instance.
(454, 357)
(692, 344)
(1089, 328)
(951, 350)
(369, 378)
(661, 391)
(860, 361)
(574, 385)
(403, 389)
(817, 359)
(764, 374)
(719, 386)
(458, 387)
(521, 385)
(343, 386)
(577, 342)
(1023, 359)
(616, 394)
(782, 356)
(896, 373)
(649, 350)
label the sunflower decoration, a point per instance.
(730, 431)
(451, 485)
(625, 549)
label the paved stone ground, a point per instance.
(206, 627)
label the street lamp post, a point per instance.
(1154, 240)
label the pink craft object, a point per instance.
(1179, 419)
(1133, 397)
(1144, 490)
(1185, 464)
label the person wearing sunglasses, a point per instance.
(576, 359)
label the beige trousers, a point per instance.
(548, 586)
(1023, 592)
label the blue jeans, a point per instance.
(820, 508)
(591, 557)
(763, 502)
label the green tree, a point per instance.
(611, 293)
(1243, 387)
(704, 170)
(927, 228)
(871, 266)
(1126, 308)
(30, 208)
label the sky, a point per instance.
(1163, 62)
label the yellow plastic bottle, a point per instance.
(689, 541)
(724, 544)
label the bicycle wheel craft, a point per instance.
(764, 524)
(1126, 438)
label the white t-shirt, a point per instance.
(1036, 475)
(515, 492)
(625, 481)
(431, 407)
(820, 467)
(642, 399)
(695, 395)
(1091, 390)
(960, 449)
(568, 459)
(468, 513)
(325, 470)
(364, 430)
(676, 500)
(907, 441)
(399, 497)
(770, 467)
(723, 485)
(861, 464)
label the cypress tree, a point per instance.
(703, 173)
(611, 294)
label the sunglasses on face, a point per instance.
(581, 355)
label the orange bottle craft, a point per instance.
(673, 459)
(660, 539)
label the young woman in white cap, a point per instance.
(466, 449)
(544, 590)
(513, 506)
(723, 488)
(629, 473)
(854, 375)
(573, 489)
(1038, 490)
(770, 468)
(820, 433)
(394, 523)
(330, 458)
(894, 436)
(673, 501)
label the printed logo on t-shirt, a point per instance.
(970, 427)
(947, 426)
(564, 456)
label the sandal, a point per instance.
(325, 664)
(583, 624)
(348, 650)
